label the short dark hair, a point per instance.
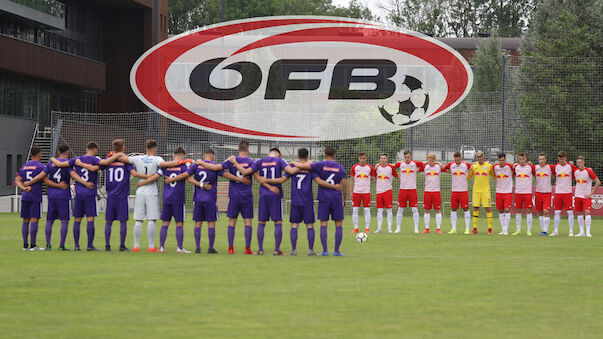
(407, 152)
(501, 155)
(92, 145)
(542, 154)
(580, 157)
(302, 153)
(521, 154)
(118, 145)
(63, 148)
(361, 154)
(179, 150)
(209, 151)
(562, 154)
(383, 154)
(151, 144)
(275, 149)
(457, 154)
(244, 145)
(330, 151)
(35, 150)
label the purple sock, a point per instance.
(64, 228)
(338, 237)
(48, 230)
(293, 236)
(108, 225)
(123, 231)
(33, 232)
(76, 233)
(198, 237)
(231, 233)
(278, 236)
(25, 231)
(260, 232)
(180, 236)
(90, 230)
(248, 233)
(211, 235)
(163, 236)
(323, 238)
(311, 239)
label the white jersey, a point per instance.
(544, 174)
(147, 164)
(385, 175)
(504, 178)
(362, 178)
(584, 182)
(432, 177)
(523, 179)
(459, 175)
(408, 174)
(564, 174)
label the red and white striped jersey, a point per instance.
(523, 179)
(432, 177)
(544, 175)
(584, 182)
(504, 178)
(563, 178)
(362, 178)
(385, 177)
(459, 175)
(408, 174)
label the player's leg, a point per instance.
(64, 211)
(437, 206)
(51, 216)
(356, 199)
(309, 220)
(246, 208)
(232, 212)
(152, 211)
(210, 214)
(518, 213)
(276, 213)
(380, 206)
(579, 209)
(558, 206)
(293, 237)
(166, 217)
(123, 217)
(401, 206)
(179, 217)
(477, 200)
(25, 225)
(198, 219)
(528, 213)
(337, 215)
(263, 217)
(324, 211)
(366, 203)
(427, 204)
(78, 213)
(295, 217)
(569, 207)
(389, 203)
(211, 236)
(414, 206)
(110, 215)
(139, 216)
(587, 217)
(34, 213)
(90, 228)
(488, 208)
(454, 205)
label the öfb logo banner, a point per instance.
(301, 78)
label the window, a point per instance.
(9, 170)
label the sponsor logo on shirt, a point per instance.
(330, 169)
(269, 163)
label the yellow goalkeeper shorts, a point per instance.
(482, 198)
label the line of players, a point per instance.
(329, 175)
(564, 172)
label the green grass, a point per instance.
(400, 285)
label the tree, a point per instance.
(562, 102)
(427, 16)
(487, 61)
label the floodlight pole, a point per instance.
(502, 103)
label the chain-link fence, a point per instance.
(546, 105)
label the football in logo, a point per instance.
(301, 78)
(597, 201)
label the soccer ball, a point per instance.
(361, 237)
(408, 105)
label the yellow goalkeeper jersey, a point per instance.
(481, 182)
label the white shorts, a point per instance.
(146, 207)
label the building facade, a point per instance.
(67, 55)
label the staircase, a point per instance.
(43, 139)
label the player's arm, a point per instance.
(291, 170)
(50, 183)
(192, 180)
(302, 166)
(263, 182)
(174, 163)
(109, 160)
(344, 182)
(19, 183)
(139, 175)
(209, 166)
(276, 181)
(325, 184)
(60, 164)
(232, 177)
(470, 174)
(79, 179)
(244, 171)
(373, 174)
(179, 177)
(36, 179)
(151, 179)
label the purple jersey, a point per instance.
(203, 176)
(118, 179)
(29, 171)
(175, 192)
(301, 188)
(270, 168)
(331, 172)
(238, 190)
(58, 175)
(86, 175)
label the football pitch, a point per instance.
(395, 285)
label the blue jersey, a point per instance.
(175, 192)
(117, 179)
(86, 175)
(331, 172)
(29, 171)
(203, 175)
(238, 190)
(301, 187)
(58, 175)
(270, 168)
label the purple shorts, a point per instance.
(117, 209)
(302, 213)
(84, 206)
(172, 210)
(58, 209)
(333, 208)
(205, 211)
(243, 206)
(270, 207)
(30, 209)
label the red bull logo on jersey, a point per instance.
(581, 181)
(297, 77)
(481, 173)
(432, 173)
(458, 173)
(542, 175)
(362, 176)
(562, 175)
(408, 171)
(383, 177)
(523, 176)
(502, 176)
